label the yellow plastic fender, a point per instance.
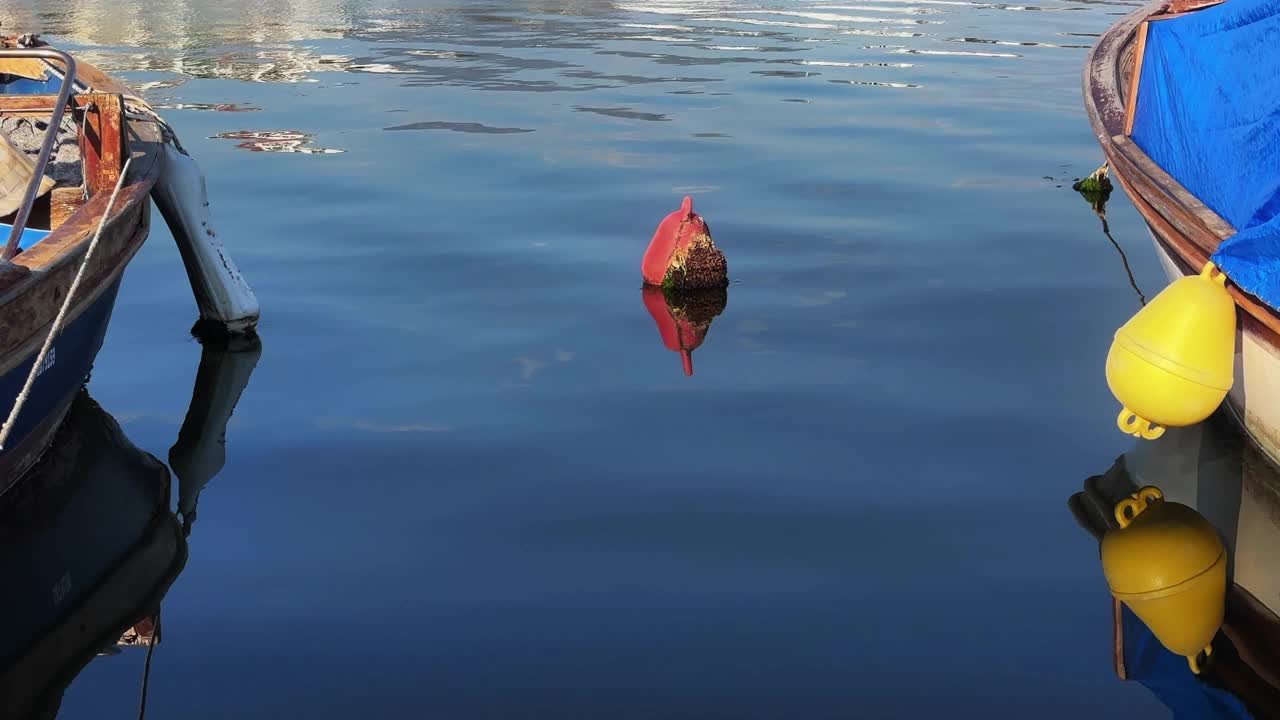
(1171, 365)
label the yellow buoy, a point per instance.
(1168, 565)
(1171, 364)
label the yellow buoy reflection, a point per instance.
(1168, 565)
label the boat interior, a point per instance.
(86, 157)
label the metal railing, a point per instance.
(50, 137)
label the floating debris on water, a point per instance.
(1097, 182)
(1096, 189)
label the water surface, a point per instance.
(467, 479)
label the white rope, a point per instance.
(62, 314)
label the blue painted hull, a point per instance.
(63, 373)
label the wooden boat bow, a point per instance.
(1179, 220)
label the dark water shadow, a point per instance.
(90, 542)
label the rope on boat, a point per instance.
(62, 313)
(137, 109)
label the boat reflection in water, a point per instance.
(90, 542)
(1212, 468)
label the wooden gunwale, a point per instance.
(1184, 225)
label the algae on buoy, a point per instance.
(1171, 365)
(1168, 565)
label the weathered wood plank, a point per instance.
(1187, 223)
(1131, 102)
(102, 141)
(63, 202)
(1169, 186)
(38, 105)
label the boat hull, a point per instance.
(35, 282)
(1256, 383)
(63, 373)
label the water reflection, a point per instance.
(501, 46)
(1097, 196)
(684, 317)
(201, 448)
(1212, 468)
(89, 544)
(278, 141)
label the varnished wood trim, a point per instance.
(102, 141)
(1131, 105)
(1117, 639)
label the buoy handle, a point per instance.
(1211, 272)
(1132, 506)
(1134, 424)
(1196, 663)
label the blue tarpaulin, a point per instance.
(1208, 112)
(1169, 678)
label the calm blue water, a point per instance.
(466, 479)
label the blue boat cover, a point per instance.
(1169, 678)
(29, 237)
(1208, 112)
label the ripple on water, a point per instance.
(874, 83)
(623, 113)
(485, 260)
(463, 127)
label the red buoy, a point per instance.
(682, 255)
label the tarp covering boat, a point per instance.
(1208, 112)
